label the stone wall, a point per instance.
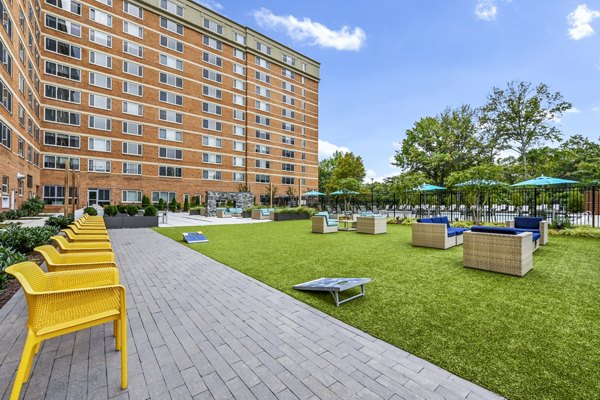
(239, 199)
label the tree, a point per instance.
(437, 146)
(521, 117)
(348, 166)
(326, 167)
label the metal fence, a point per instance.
(579, 205)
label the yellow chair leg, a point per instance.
(117, 333)
(24, 365)
(123, 334)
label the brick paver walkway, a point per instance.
(201, 330)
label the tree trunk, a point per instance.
(524, 158)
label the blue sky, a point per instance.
(386, 64)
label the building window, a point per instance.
(211, 175)
(101, 38)
(263, 77)
(171, 98)
(239, 130)
(132, 149)
(263, 135)
(132, 108)
(100, 80)
(101, 166)
(239, 146)
(62, 25)
(263, 178)
(100, 17)
(5, 96)
(212, 59)
(263, 48)
(212, 42)
(133, 29)
(171, 25)
(63, 71)
(171, 43)
(170, 153)
(171, 7)
(98, 144)
(170, 116)
(170, 171)
(170, 134)
(62, 117)
(132, 128)
(212, 75)
(61, 140)
(100, 123)
(211, 158)
(133, 49)
(213, 26)
(133, 88)
(131, 196)
(212, 91)
(264, 164)
(287, 167)
(262, 149)
(261, 62)
(59, 162)
(211, 108)
(239, 177)
(211, 124)
(287, 153)
(166, 196)
(263, 91)
(99, 101)
(130, 168)
(239, 38)
(288, 73)
(263, 106)
(71, 6)
(211, 141)
(53, 195)
(5, 184)
(262, 120)
(133, 10)
(62, 48)
(171, 62)
(286, 180)
(171, 80)
(133, 68)
(288, 140)
(5, 135)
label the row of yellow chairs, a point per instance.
(81, 289)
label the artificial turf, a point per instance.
(535, 337)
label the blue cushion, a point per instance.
(527, 222)
(265, 211)
(332, 223)
(425, 220)
(322, 213)
(527, 230)
(452, 232)
(493, 229)
(445, 221)
(460, 231)
(536, 236)
(437, 220)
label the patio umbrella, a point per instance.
(343, 191)
(544, 181)
(313, 193)
(480, 182)
(426, 187)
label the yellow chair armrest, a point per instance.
(74, 267)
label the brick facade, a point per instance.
(78, 38)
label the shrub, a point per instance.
(186, 204)
(575, 202)
(90, 211)
(32, 207)
(173, 205)
(579, 231)
(305, 210)
(150, 211)
(121, 208)
(24, 240)
(161, 204)
(111, 211)
(131, 210)
(8, 257)
(60, 222)
(145, 201)
(560, 223)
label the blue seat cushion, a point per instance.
(330, 223)
(265, 211)
(528, 230)
(528, 222)
(322, 213)
(536, 236)
(425, 220)
(452, 232)
(459, 231)
(494, 229)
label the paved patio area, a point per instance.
(199, 329)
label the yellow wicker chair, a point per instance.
(73, 237)
(99, 231)
(65, 302)
(67, 262)
(80, 247)
(92, 217)
(91, 221)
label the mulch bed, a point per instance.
(12, 285)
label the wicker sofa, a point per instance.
(531, 224)
(321, 223)
(261, 213)
(436, 233)
(503, 250)
(229, 212)
(371, 224)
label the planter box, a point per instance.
(198, 212)
(127, 222)
(246, 214)
(288, 216)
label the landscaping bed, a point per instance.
(524, 338)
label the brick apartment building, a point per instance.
(157, 97)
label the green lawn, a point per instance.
(536, 337)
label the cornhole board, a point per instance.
(194, 237)
(335, 286)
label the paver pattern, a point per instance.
(201, 330)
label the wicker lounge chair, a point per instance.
(371, 224)
(436, 233)
(531, 224)
(261, 213)
(503, 250)
(321, 223)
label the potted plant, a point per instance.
(289, 214)
(197, 210)
(247, 212)
(131, 218)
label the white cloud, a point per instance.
(486, 10)
(315, 33)
(327, 149)
(580, 22)
(595, 109)
(212, 4)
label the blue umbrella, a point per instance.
(545, 181)
(480, 182)
(426, 187)
(313, 193)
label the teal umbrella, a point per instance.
(480, 182)
(545, 181)
(313, 193)
(426, 187)
(344, 191)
